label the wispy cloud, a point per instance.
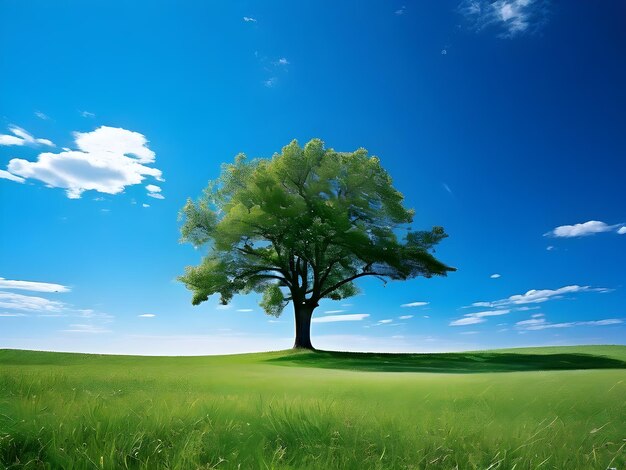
(41, 115)
(282, 61)
(8, 176)
(270, 82)
(147, 315)
(12, 301)
(245, 310)
(414, 304)
(469, 320)
(386, 321)
(401, 10)
(539, 296)
(542, 324)
(405, 317)
(585, 229)
(87, 114)
(509, 17)
(249, 19)
(20, 138)
(495, 276)
(478, 317)
(32, 286)
(337, 318)
(334, 311)
(108, 160)
(154, 191)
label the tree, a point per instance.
(300, 227)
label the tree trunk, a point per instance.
(303, 315)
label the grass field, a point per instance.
(548, 408)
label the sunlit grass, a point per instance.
(84, 411)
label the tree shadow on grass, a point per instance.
(457, 363)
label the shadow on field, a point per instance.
(458, 363)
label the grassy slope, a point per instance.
(91, 411)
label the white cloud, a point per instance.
(405, 317)
(270, 82)
(467, 321)
(549, 247)
(245, 310)
(334, 311)
(8, 176)
(385, 321)
(4, 314)
(14, 301)
(478, 317)
(541, 323)
(87, 114)
(444, 52)
(582, 230)
(282, 61)
(108, 160)
(512, 17)
(489, 313)
(401, 10)
(336, 318)
(145, 205)
(20, 137)
(41, 115)
(154, 191)
(249, 19)
(538, 296)
(32, 286)
(531, 322)
(117, 141)
(495, 276)
(622, 230)
(147, 315)
(415, 304)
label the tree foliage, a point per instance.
(302, 226)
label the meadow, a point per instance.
(548, 408)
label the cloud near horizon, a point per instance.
(337, 318)
(537, 323)
(108, 160)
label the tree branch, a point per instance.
(345, 281)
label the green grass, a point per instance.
(548, 408)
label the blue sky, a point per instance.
(501, 121)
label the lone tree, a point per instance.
(300, 227)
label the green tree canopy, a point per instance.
(302, 226)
